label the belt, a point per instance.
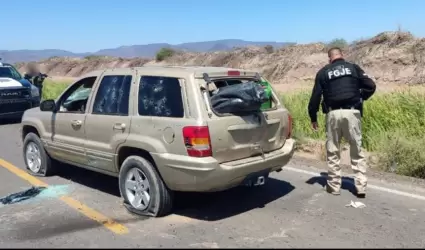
(342, 107)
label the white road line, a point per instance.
(388, 190)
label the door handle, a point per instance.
(76, 123)
(119, 126)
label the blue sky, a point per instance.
(90, 25)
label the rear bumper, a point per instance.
(183, 173)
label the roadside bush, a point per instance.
(339, 42)
(164, 53)
(269, 49)
(52, 89)
(93, 57)
(402, 155)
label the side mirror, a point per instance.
(48, 105)
(26, 76)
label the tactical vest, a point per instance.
(340, 84)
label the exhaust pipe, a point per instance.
(260, 181)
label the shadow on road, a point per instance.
(347, 182)
(201, 206)
(225, 204)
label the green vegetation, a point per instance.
(339, 42)
(402, 154)
(93, 57)
(52, 89)
(393, 126)
(164, 53)
(269, 49)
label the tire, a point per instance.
(46, 163)
(161, 198)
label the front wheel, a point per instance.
(37, 161)
(142, 188)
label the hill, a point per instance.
(148, 50)
(390, 57)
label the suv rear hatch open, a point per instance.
(243, 135)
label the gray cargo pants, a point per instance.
(345, 123)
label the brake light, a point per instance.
(197, 141)
(233, 73)
(289, 127)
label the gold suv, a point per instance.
(155, 129)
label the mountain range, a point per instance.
(147, 50)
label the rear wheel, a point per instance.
(142, 188)
(37, 161)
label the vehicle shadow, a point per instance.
(221, 205)
(202, 206)
(347, 182)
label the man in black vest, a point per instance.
(34, 75)
(344, 87)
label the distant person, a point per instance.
(34, 75)
(32, 71)
(344, 87)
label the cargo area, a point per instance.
(243, 134)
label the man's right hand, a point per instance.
(314, 126)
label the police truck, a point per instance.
(17, 94)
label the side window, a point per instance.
(160, 96)
(113, 95)
(74, 100)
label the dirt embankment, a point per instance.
(390, 57)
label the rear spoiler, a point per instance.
(207, 77)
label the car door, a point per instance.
(67, 123)
(108, 124)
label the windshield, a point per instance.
(9, 71)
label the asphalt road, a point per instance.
(292, 210)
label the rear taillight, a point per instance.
(233, 73)
(197, 141)
(289, 127)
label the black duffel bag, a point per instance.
(244, 97)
